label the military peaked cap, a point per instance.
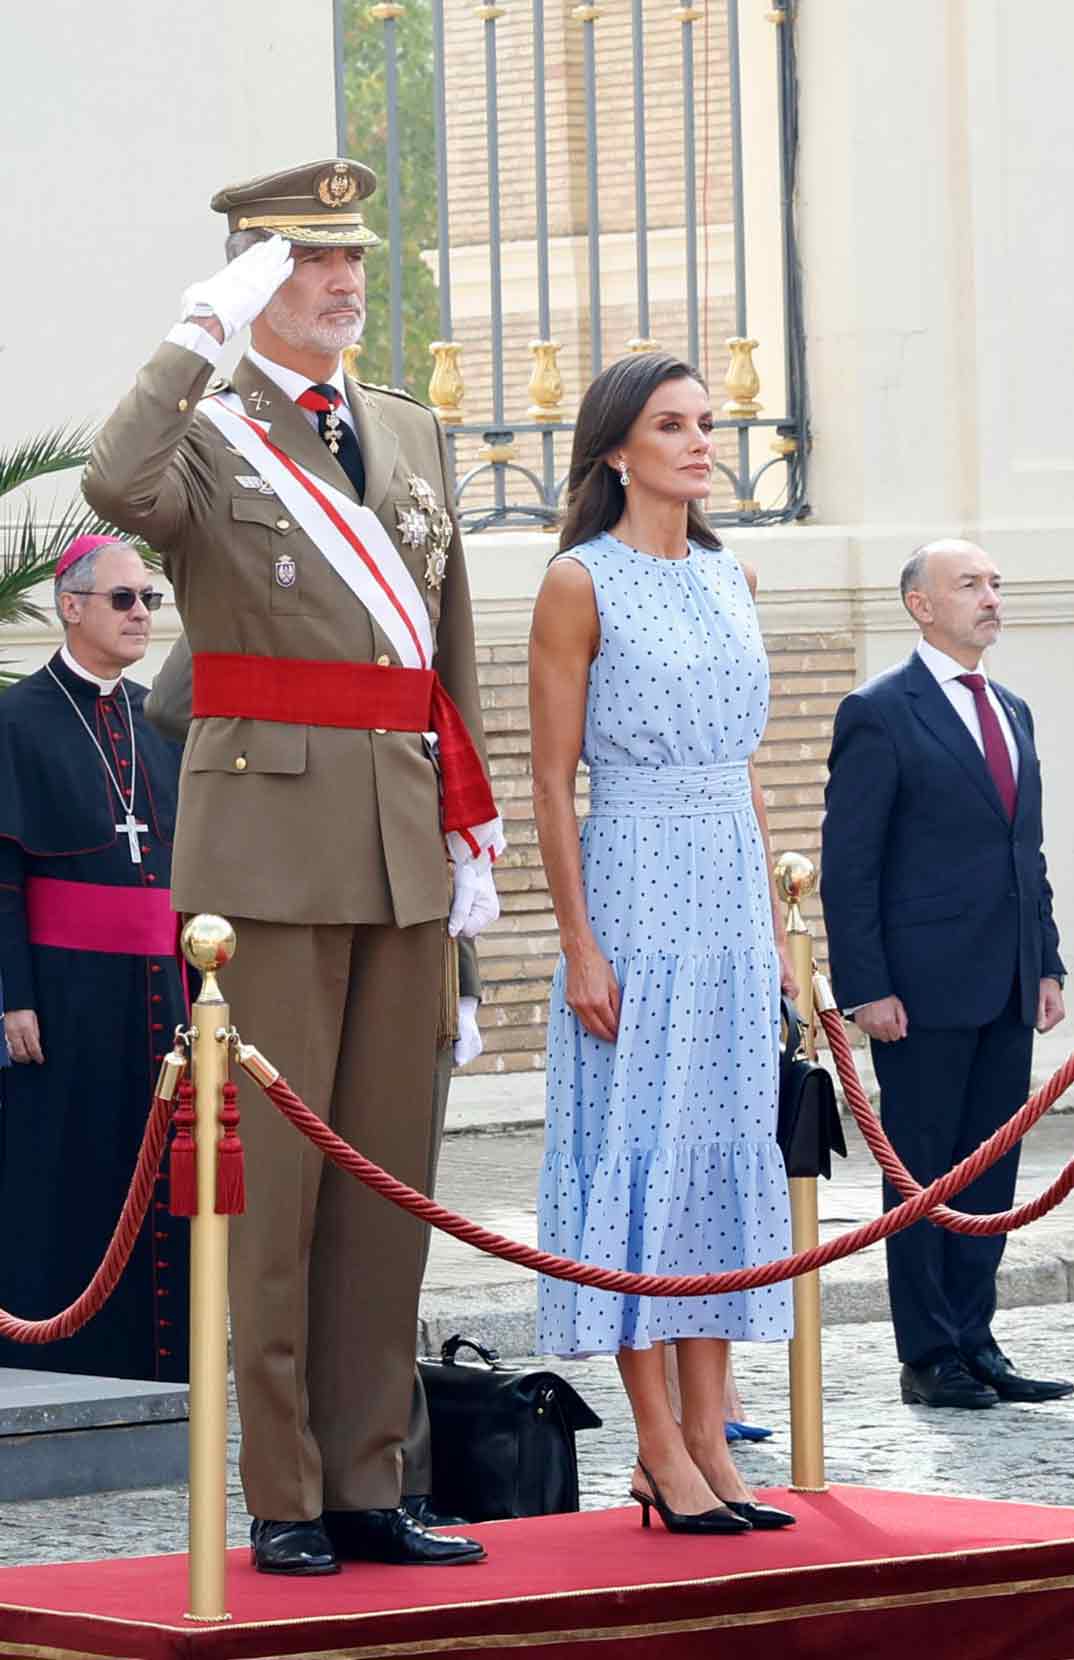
(313, 205)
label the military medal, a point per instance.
(426, 525)
(332, 427)
(285, 571)
(413, 526)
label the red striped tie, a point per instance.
(997, 755)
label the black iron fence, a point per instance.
(510, 460)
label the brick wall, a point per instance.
(810, 673)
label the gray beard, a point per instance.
(305, 336)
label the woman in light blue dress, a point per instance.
(660, 1153)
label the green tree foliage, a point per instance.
(367, 141)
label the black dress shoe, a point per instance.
(291, 1548)
(420, 1506)
(991, 1366)
(945, 1382)
(393, 1536)
(765, 1517)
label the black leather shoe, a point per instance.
(291, 1548)
(991, 1366)
(764, 1517)
(420, 1506)
(393, 1536)
(945, 1382)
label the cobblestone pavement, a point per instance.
(1009, 1452)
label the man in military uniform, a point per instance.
(168, 708)
(307, 530)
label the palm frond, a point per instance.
(53, 451)
(29, 552)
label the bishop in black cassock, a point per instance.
(88, 947)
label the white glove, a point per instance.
(475, 903)
(242, 290)
(468, 1044)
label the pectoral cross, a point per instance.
(131, 829)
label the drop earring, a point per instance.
(624, 474)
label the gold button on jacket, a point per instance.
(330, 826)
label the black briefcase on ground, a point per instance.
(808, 1128)
(502, 1441)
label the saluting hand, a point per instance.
(242, 290)
(23, 1036)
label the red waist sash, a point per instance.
(360, 696)
(90, 916)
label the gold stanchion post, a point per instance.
(796, 877)
(208, 943)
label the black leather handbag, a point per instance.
(502, 1440)
(808, 1128)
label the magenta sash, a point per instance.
(89, 916)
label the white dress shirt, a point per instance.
(946, 671)
(294, 384)
(195, 339)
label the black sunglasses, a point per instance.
(123, 598)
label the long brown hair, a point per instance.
(611, 405)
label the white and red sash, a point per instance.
(362, 554)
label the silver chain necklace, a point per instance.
(130, 825)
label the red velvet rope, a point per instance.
(104, 1282)
(911, 1210)
(956, 1221)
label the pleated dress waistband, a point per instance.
(662, 792)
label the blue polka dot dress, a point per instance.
(660, 1149)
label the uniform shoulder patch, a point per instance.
(392, 391)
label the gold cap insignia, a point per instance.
(338, 186)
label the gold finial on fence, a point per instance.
(689, 14)
(350, 356)
(488, 14)
(641, 343)
(742, 380)
(585, 14)
(386, 10)
(546, 382)
(497, 453)
(784, 445)
(446, 389)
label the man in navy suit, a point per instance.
(943, 949)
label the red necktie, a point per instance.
(324, 401)
(997, 755)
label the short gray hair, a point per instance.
(238, 242)
(912, 575)
(79, 577)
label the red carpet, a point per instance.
(864, 1573)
